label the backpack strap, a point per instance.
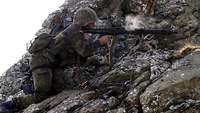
(41, 42)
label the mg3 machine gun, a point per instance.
(114, 31)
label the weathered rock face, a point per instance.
(144, 78)
(138, 67)
(120, 110)
(65, 102)
(182, 81)
(176, 91)
(183, 13)
(13, 78)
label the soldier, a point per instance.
(51, 55)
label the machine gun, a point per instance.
(122, 31)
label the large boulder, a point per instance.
(177, 90)
(136, 67)
(77, 101)
(65, 102)
(184, 14)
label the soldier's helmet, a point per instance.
(85, 16)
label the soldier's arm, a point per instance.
(82, 46)
(85, 47)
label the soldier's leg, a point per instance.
(42, 78)
(42, 74)
(58, 80)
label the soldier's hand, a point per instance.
(104, 40)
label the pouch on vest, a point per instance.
(41, 42)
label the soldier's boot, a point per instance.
(23, 101)
(42, 78)
(20, 103)
(6, 107)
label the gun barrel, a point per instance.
(153, 31)
(121, 31)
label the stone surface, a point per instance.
(184, 13)
(97, 106)
(65, 102)
(174, 89)
(112, 102)
(14, 77)
(119, 110)
(131, 67)
(145, 77)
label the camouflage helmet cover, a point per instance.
(84, 16)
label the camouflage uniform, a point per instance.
(50, 55)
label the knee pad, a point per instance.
(42, 78)
(41, 60)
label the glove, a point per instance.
(104, 40)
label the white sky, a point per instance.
(19, 21)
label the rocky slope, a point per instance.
(146, 76)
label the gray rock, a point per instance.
(133, 6)
(186, 15)
(133, 98)
(18, 74)
(143, 79)
(72, 103)
(65, 102)
(52, 21)
(187, 106)
(174, 88)
(190, 59)
(119, 110)
(112, 102)
(75, 76)
(131, 67)
(168, 8)
(133, 110)
(96, 106)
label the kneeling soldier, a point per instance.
(51, 54)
